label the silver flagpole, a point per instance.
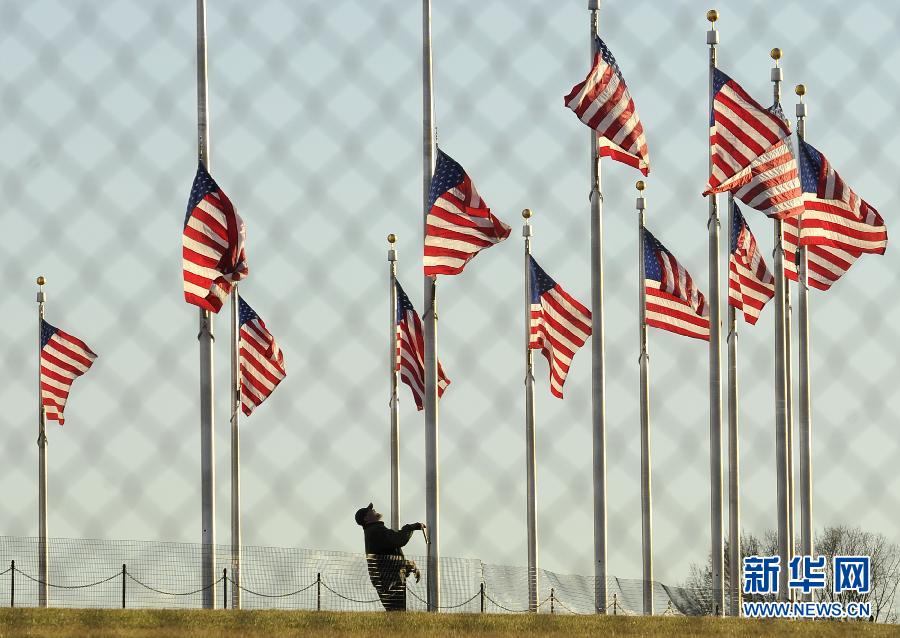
(717, 551)
(530, 463)
(777, 78)
(236, 537)
(646, 502)
(734, 458)
(598, 356)
(43, 554)
(395, 408)
(429, 319)
(806, 529)
(205, 337)
(781, 451)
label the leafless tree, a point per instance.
(696, 591)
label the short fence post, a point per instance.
(481, 595)
(319, 591)
(552, 599)
(123, 585)
(12, 583)
(615, 605)
(225, 588)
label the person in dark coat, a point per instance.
(388, 567)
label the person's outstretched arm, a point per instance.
(399, 538)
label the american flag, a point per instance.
(63, 359)
(603, 102)
(411, 350)
(212, 245)
(672, 300)
(459, 224)
(838, 226)
(748, 149)
(261, 360)
(750, 284)
(835, 215)
(559, 325)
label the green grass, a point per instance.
(57, 623)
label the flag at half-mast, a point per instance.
(459, 224)
(750, 152)
(212, 245)
(672, 300)
(559, 325)
(837, 226)
(261, 360)
(603, 102)
(64, 358)
(750, 284)
(410, 357)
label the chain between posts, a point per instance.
(262, 595)
(49, 584)
(352, 600)
(169, 593)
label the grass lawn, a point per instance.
(135, 623)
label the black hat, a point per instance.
(361, 513)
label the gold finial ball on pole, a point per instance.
(775, 54)
(526, 214)
(41, 280)
(640, 185)
(712, 15)
(800, 90)
(392, 238)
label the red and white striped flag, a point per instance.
(672, 300)
(835, 215)
(560, 325)
(750, 284)
(411, 350)
(749, 153)
(261, 360)
(459, 224)
(603, 102)
(63, 359)
(212, 245)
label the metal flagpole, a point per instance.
(205, 337)
(530, 463)
(43, 554)
(395, 411)
(598, 357)
(429, 319)
(734, 459)
(777, 77)
(781, 452)
(646, 503)
(806, 538)
(717, 551)
(236, 537)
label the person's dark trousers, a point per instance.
(395, 598)
(389, 582)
